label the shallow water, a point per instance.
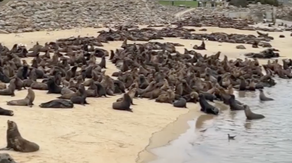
(268, 140)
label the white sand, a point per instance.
(96, 133)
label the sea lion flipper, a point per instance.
(5, 149)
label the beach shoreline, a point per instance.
(97, 131)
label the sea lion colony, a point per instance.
(224, 22)
(152, 70)
(146, 34)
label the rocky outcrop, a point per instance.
(29, 15)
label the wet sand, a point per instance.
(97, 132)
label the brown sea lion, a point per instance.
(52, 86)
(10, 90)
(180, 103)
(19, 83)
(201, 47)
(66, 90)
(263, 97)
(39, 86)
(123, 105)
(132, 93)
(250, 115)
(16, 142)
(59, 103)
(166, 97)
(27, 101)
(6, 112)
(108, 83)
(2, 86)
(80, 98)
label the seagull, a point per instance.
(231, 137)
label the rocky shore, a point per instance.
(30, 15)
(25, 15)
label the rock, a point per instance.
(6, 158)
(240, 47)
(281, 36)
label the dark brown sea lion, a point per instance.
(52, 86)
(206, 107)
(6, 112)
(250, 115)
(180, 103)
(27, 101)
(263, 97)
(60, 103)
(16, 142)
(234, 105)
(123, 105)
(201, 47)
(102, 63)
(10, 90)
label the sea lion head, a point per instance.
(261, 90)
(11, 125)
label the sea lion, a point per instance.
(52, 86)
(250, 115)
(27, 101)
(132, 93)
(209, 96)
(123, 105)
(66, 90)
(201, 47)
(19, 83)
(39, 86)
(80, 98)
(60, 103)
(16, 142)
(2, 86)
(10, 90)
(6, 112)
(206, 107)
(263, 97)
(234, 105)
(180, 103)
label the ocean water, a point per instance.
(267, 140)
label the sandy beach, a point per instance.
(95, 133)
